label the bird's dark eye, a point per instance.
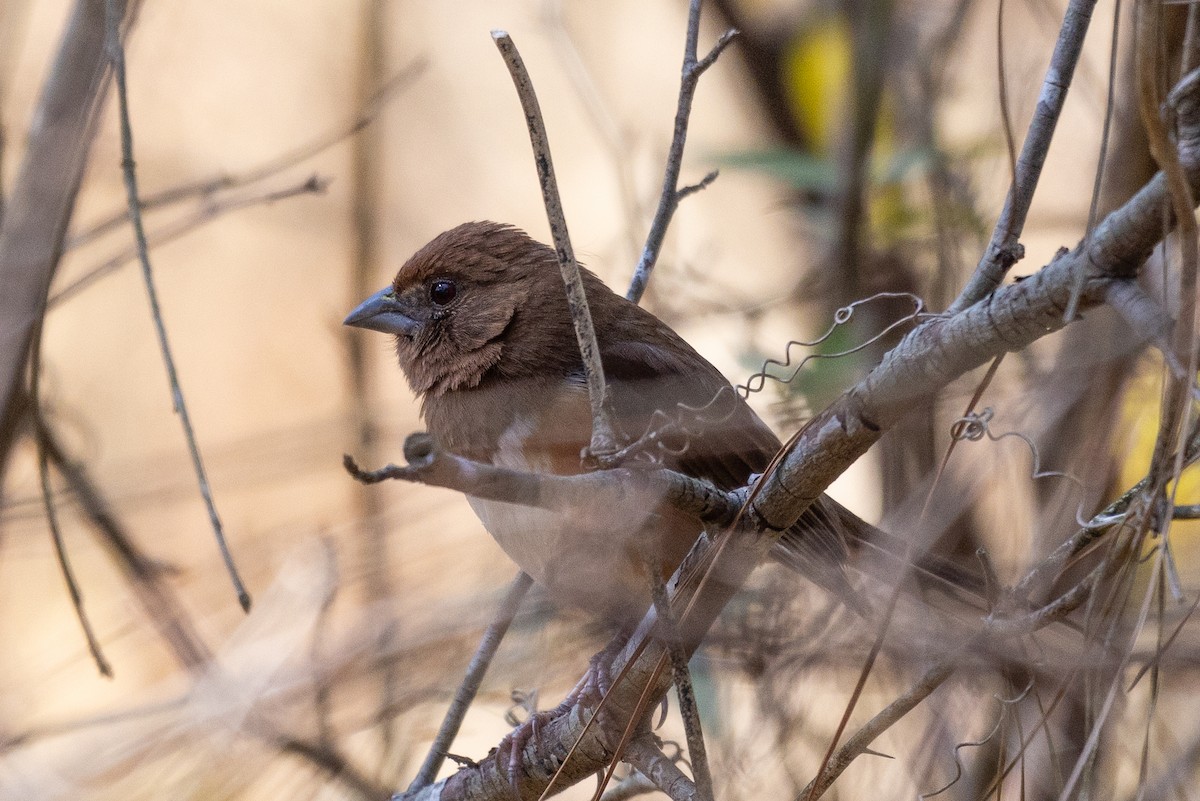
(441, 292)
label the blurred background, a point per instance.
(861, 150)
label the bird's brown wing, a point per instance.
(710, 432)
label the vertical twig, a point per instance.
(1002, 96)
(668, 201)
(688, 710)
(870, 26)
(1190, 55)
(1004, 250)
(38, 208)
(60, 548)
(1167, 461)
(365, 201)
(603, 438)
(116, 55)
(471, 682)
(145, 576)
(1102, 158)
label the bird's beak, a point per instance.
(384, 312)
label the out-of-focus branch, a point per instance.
(39, 206)
(223, 182)
(333, 762)
(146, 577)
(940, 350)
(996, 628)
(208, 213)
(488, 645)
(1005, 250)
(51, 511)
(1166, 462)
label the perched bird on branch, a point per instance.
(485, 338)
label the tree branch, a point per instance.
(605, 491)
(1004, 250)
(488, 645)
(116, 54)
(660, 769)
(39, 206)
(669, 199)
(940, 350)
(604, 440)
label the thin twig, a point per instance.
(145, 575)
(208, 213)
(206, 187)
(39, 205)
(1167, 460)
(604, 439)
(995, 629)
(365, 223)
(604, 492)
(329, 759)
(1005, 249)
(660, 770)
(1102, 157)
(60, 548)
(669, 199)
(688, 709)
(1002, 96)
(116, 54)
(488, 645)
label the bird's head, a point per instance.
(474, 294)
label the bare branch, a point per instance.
(944, 348)
(60, 548)
(116, 54)
(1167, 460)
(688, 710)
(206, 187)
(660, 769)
(471, 682)
(145, 576)
(39, 206)
(209, 213)
(607, 491)
(604, 439)
(669, 199)
(1005, 249)
(1186, 512)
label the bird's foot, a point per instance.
(589, 692)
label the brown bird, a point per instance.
(485, 338)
